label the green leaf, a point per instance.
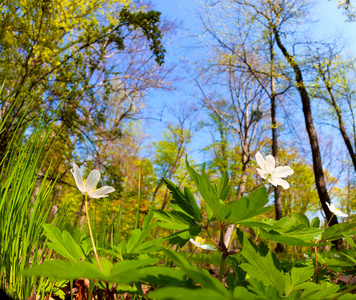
(147, 220)
(315, 222)
(123, 272)
(185, 201)
(349, 257)
(133, 240)
(201, 276)
(337, 231)
(262, 268)
(349, 240)
(182, 237)
(290, 231)
(209, 193)
(302, 219)
(161, 276)
(297, 276)
(264, 291)
(246, 208)
(223, 187)
(63, 243)
(175, 293)
(317, 291)
(58, 269)
(172, 221)
(243, 293)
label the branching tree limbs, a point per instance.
(313, 138)
(55, 48)
(333, 74)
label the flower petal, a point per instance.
(96, 196)
(270, 164)
(102, 192)
(78, 178)
(262, 173)
(278, 181)
(207, 247)
(337, 212)
(92, 181)
(194, 243)
(260, 160)
(204, 247)
(283, 171)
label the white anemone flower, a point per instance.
(337, 212)
(199, 242)
(88, 186)
(269, 171)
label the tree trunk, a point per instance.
(241, 190)
(339, 118)
(277, 189)
(313, 138)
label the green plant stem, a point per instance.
(91, 233)
(139, 201)
(223, 254)
(192, 253)
(327, 225)
(222, 266)
(316, 265)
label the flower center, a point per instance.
(199, 240)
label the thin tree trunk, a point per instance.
(313, 138)
(241, 190)
(339, 118)
(277, 189)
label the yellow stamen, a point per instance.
(200, 240)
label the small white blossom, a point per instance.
(199, 242)
(89, 185)
(269, 171)
(337, 212)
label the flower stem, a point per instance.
(192, 253)
(91, 234)
(327, 225)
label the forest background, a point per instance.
(134, 103)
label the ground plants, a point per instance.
(257, 272)
(39, 257)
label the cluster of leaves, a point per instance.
(257, 273)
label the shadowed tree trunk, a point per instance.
(313, 138)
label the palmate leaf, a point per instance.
(176, 293)
(184, 200)
(209, 193)
(262, 268)
(122, 272)
(182, 237)
(140, 234)
(235, 211)
(297, 276)
(200, 276)
(246, 208)
(317, 291)
(264, 291)
(63, 243)
(338, 231)
(289, 231)
(175, 220)
(299, 238)
(223, 187)
(161, 276)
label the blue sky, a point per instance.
(331, 22)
